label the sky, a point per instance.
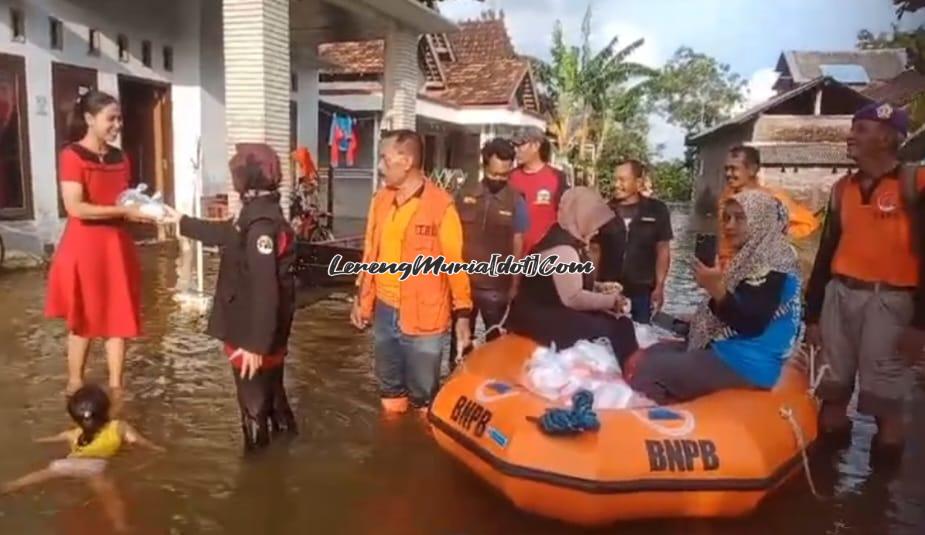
(748, 35)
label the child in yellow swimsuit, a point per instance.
(96, 439)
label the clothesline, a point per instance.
(357, 119)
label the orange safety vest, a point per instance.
(877, 239)
(424, 300)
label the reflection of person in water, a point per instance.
(96, 440)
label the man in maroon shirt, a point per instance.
(541, 185)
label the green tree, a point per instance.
(672, 180)
(592, 97)
(695, 92)
(913, 42)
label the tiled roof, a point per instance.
(482, 40)
(355, 57)
(487, 82)
(823, 154)
(483, 68)
(769, 104)
(900, 90)
(883, 64)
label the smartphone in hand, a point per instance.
(705, 249)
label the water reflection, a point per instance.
(347, 471)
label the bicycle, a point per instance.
(310, 222)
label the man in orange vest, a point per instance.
(742, 166)
(864, 302)
(408, 217)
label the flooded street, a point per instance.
(347, 472)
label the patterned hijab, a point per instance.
(582, 212)
(766, 249)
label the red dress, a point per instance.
(95, 275)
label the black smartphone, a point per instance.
(705, 249)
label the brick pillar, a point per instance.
(401, 80)
(257, 81)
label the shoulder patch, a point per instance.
(265, 244)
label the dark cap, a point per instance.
(887, 114)
(528, 134)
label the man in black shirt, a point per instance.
(646, 232)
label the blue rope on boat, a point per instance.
(581, 417)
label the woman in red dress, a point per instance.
(95, 276)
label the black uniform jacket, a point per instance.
(255, 293)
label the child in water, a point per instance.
(96, 439)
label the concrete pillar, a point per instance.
(307, 100)
(257, 81)
(401, 80)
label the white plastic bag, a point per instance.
(613, 395)
(148, 205)
(557, 375)
(598, 356)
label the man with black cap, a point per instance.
(865, 304)
(541, 185)
(254, 297)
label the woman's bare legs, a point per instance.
(115, 357)
(77, 348)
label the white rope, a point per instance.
(498, 326)
(787, 414)
(815, 376)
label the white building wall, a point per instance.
(163, 22)
(212, 78)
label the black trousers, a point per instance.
(264, 406)
(491, 304)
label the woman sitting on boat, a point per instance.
(749, 324)
(563, 308)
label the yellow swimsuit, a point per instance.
(105, 445)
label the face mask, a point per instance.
(495, 186)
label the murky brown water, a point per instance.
(347, 472)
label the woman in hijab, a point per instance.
(563, 308)
(254, 298)
(749, 324)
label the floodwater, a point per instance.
(347, 472)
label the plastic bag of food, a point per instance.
(598, 356)
(613, 395)
(148, 205)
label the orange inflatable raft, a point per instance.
(717, 456)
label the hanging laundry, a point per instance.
(303, 157)
(343, 138)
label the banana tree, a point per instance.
(585, 90)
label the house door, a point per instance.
(15, 172)
(68, 82)
(147, 140)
